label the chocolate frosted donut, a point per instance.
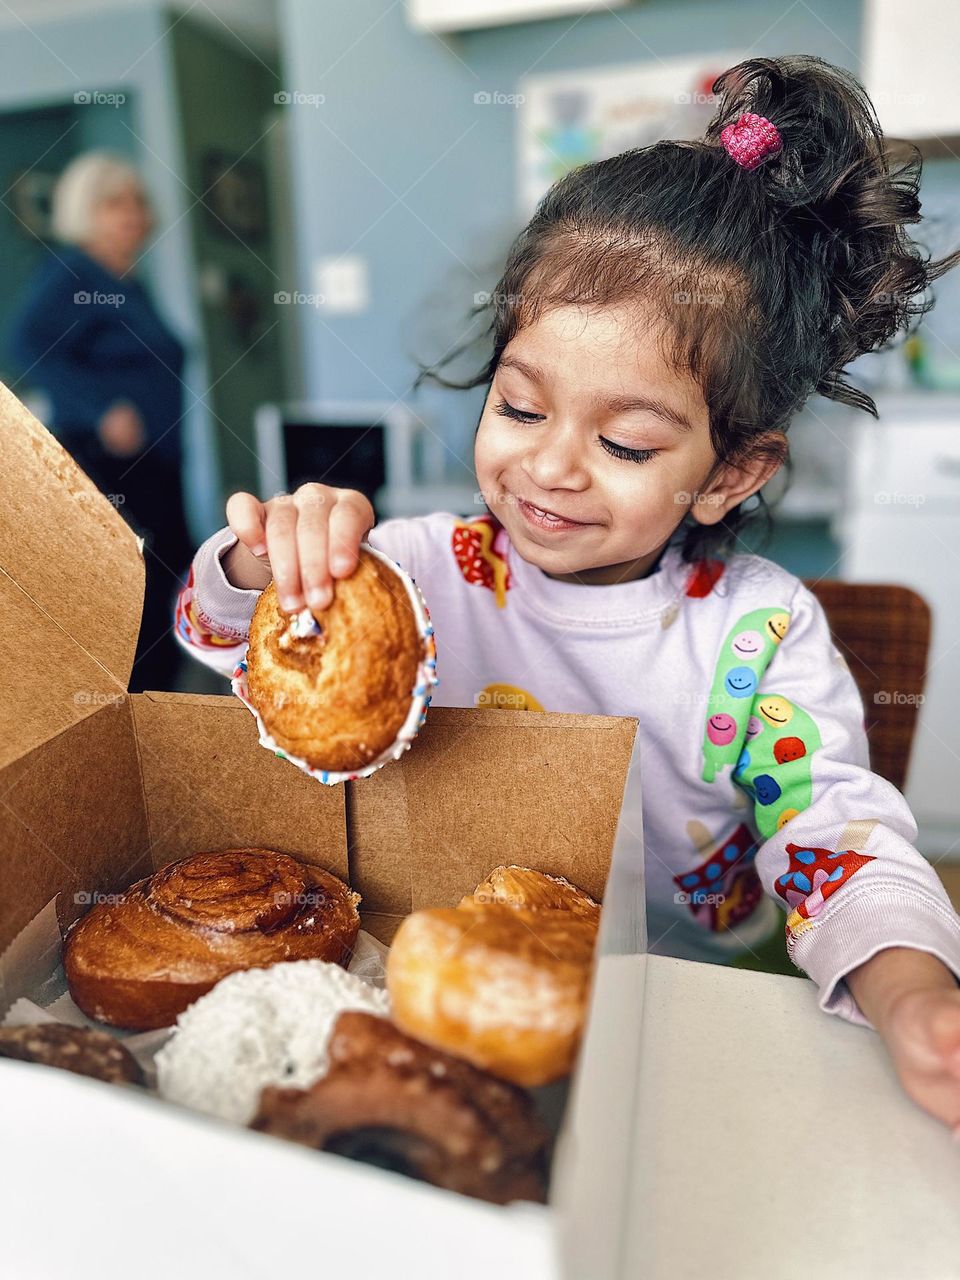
(79, 1049)
(336, 687)
(141, 957)
(391, 1101)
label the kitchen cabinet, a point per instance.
(900, 523)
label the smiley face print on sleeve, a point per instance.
(775, 763)
(744, 656)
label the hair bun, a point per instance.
(831, 189)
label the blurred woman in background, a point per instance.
(89, 337)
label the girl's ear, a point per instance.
(732, 483)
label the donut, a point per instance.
(503, 986)
(258, 1027)
(83, 1050)
(138, 958)
(391, 1101)
(340, 689)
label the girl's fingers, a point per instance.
(314, 503)
(350, 520)
(246, 517)
(281, 531)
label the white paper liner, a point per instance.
(32, 975)
(420, 696)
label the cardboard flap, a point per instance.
(484, 787)
(73, 580)
(72, 821)
(208, 784)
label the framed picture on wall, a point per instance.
(235, 195)
(569, 118)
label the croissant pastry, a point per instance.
(502, 979)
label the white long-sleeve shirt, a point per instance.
(757, 798)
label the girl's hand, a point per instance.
(922, 1033)
(303, 540)
(914, 1002)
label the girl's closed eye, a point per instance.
(507, 410)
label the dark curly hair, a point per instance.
(770, 280)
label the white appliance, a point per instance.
(411, 450)
(901, 524)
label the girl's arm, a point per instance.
(868, 918)
(913, 1000)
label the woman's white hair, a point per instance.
(84, 183)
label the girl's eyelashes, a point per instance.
(615, 450)
(509, 411)
(631, 455)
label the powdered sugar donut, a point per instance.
(259, 1027)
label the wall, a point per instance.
(226, 98)
(400, 165)
(128, 51)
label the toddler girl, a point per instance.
(659, 322)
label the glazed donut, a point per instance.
(505, 987)
(334, 687)
(138, 958)
(391, 1101)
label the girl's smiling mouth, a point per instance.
(541, 518)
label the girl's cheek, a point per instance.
(494, 446)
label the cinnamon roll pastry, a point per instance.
(338, 689)
(139, 958)
(388, 1100)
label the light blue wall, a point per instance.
(399, 164)
(128, 51)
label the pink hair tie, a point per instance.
(750, 139)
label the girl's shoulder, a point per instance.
(740, 581)
(414, 540)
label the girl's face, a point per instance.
(591, 448)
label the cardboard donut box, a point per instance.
(100, 786)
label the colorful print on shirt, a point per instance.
(703, 577)
(774, 767)
(479, 547)
(725, 888)
(744, 657)
(813, 876)
(191, 627)
(507, 697)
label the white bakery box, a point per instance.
(718, 1123)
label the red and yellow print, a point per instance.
(477, 548)
(507, 697)
(812, 877)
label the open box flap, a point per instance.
(71, 588)
(481, 787)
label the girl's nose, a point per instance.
(556, 460)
